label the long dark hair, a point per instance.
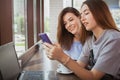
(101, 14)
(65, 38)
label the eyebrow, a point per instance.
(68, 18)
(84, 11)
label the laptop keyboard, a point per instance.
(33, 75)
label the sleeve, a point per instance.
(84, 57)
(109, 58)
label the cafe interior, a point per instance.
(21, 48)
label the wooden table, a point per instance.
(40, 62)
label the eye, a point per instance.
(71, 19)
(86, 13)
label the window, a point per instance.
(46, 16)
(77, 4)
(116, 15)
(35, 21)
(67, 3)
(19, 26)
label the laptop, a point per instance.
(11, 70)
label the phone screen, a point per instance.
(45, 38)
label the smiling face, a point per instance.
(87, 18)
(72, 23)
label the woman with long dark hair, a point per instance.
(69, 32)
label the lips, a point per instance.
(71, 28)
(85, 23)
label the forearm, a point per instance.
(77, 69)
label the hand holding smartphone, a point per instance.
(45, 38)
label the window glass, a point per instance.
(77, 4)
(19, 26)
(67, 3)
(46, 16)
(116, 15)
(35, 21)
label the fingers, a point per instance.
(46, 48)
(52, 50)
(48, 45)
(49, 55)
(56, 44)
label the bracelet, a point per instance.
(67, 60)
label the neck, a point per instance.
(97, 32)
(77, 37)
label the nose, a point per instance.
(68, 25)
(82, 18)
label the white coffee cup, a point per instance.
(63, 70)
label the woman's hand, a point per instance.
(54, 51)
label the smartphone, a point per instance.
(45, 38)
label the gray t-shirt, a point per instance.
(106, 52)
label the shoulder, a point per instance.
(88, 43)
(89, 40)
(112, 34)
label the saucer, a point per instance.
(63, 72)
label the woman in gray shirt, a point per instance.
(100, 58)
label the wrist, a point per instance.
(64, 59)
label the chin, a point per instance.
(88, 29)
(73, 33)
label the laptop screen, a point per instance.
(9, 66)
